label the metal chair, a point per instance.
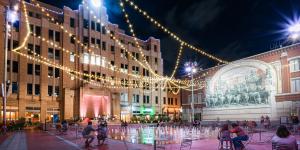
(276, 146)
(225, 144)
(186, 144)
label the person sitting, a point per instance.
(240, 136)
(64, 125)
(102, 132)
(224, 134)
(284, 138)
(87, 133)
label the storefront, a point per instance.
(12, 113)
(33, 114)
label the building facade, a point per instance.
(264, 84)
(40, 91)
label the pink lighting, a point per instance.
(94, 106)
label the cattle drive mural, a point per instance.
(243, 86)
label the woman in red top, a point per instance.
(240, 136)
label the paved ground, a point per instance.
(40, 140)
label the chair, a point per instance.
(158, 145)
(225, 144)
(276, 146)
(186, 144)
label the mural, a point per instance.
(240, 86)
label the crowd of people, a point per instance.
(265, 121)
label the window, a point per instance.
(295, 65)
(57, 73)
(57, 36)
(164, 98)
(176, 102)
(156, 99)
(98, 27)
(38, 31)
(72, 22)
(29, 89)
(103, 30)
(145, 72)
(155, 60)
(37, 70)
(103, 45)
(72, 40)
(30, 49)
(38, 16)
(37, 89)
(15, 67)
(72, 57)
(50, 71)
(124, 54)
(8, 66)
(98, 41)
(57, 54)
(37, 50)
(86, 58)
(295, 85)
(93, 27)
(56, 90)
(93, 40)
(86, 40)
(14, 87)
(50, 53)
(172, 101)
(85, 23)
(169, 101)
(135, 70)
(50, 90)
(147, 58)
(135, 98)
(112, 48)
(30, 13)
(135, 55)
(155, 48)
(29, 69)
(15, 44)
(16, 26)
(50, 34)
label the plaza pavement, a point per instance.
(41, 140)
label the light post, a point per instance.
(10, 19)
(294, 31)
(191, 68)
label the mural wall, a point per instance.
(240, 85)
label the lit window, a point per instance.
(295, 85)
(93, 60)
(86, 58)
(98, 60)
(72, 57)
(295, 65)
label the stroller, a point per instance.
(102, 133)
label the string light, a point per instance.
(90, 50)
(166, 30)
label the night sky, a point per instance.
(230, 29)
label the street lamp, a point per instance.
(191, 69)
(10, 19)
(96, 3)
(294, 31)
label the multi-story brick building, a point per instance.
(40, 91)
(246, 89)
